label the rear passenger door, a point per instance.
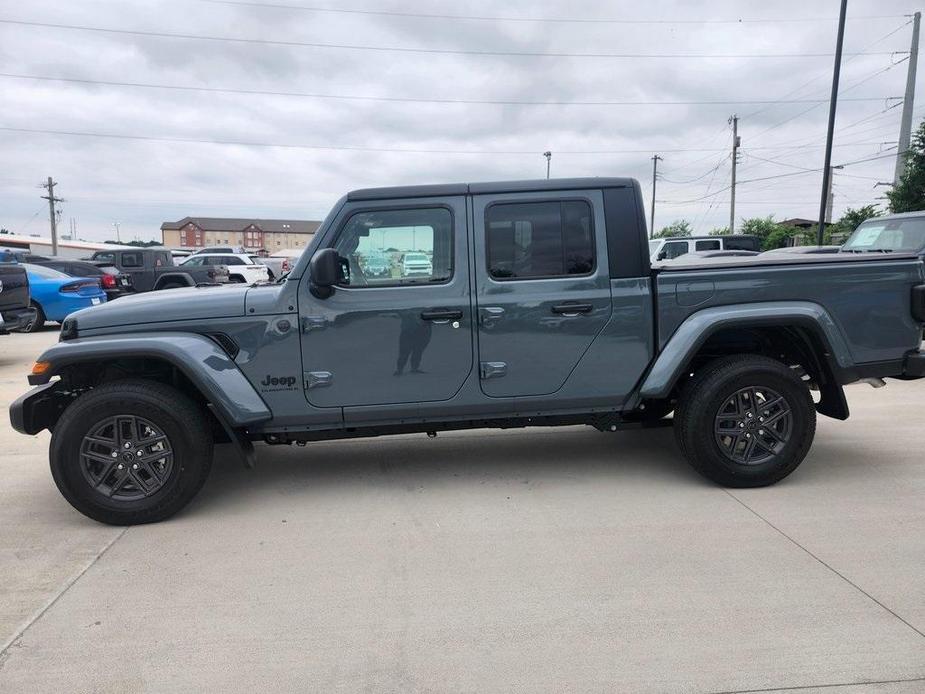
(542, 287)
(133, 263)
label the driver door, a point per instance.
(393, 331)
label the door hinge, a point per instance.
(310, 323)
(489, 314)
(493, 369)
(318, 379)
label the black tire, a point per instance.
(37, 323)
(185, 429)
(715, 403)
(172, 285)
(236, 279)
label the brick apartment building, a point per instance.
(253, 234)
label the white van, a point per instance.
(673, 247)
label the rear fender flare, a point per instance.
(174, 277)
(697, 329)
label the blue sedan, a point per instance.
(55, 295)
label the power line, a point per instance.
(777, 176)
(420, 100)
(698, 178)
(825, 74)
(817, 105)
(287, 145)
(406, 49)
(550, 20)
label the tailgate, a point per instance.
(14, 286)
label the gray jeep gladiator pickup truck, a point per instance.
(539, 308)
(151, 269)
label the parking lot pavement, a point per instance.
(529, 560)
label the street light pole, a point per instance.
(833, 103)
(548, 156)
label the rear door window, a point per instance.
(531, 240)
(707, 245)
(132, 260)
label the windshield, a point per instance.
(653, 246)
(416, 257)
(45, 273)
(888, 235)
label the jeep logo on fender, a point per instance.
(278, 382)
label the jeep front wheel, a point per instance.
(745, 421)
(131, 452)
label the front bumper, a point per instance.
(38, 409)
(15, 318)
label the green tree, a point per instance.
(781, 235)
(680, 227)
(719, 231)
(772, 234)
(851, 219)
(909, 194)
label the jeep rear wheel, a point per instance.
(745, 421)
(131, 452)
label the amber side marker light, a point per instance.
(40, 367)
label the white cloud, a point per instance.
(142, 183)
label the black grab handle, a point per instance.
(572, 308)
(441, 314)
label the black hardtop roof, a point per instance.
(134, 249)
(704, 236)
(525, 186)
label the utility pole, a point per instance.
(905, 128)
(548, 156)
(736, 142)
(118, 238)
(655, 160)
(52, 216)
(830, 196)
(833, 103)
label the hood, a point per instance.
(193, 303)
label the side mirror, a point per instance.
(661, 255)
(325, 271)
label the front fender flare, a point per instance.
(200, 359)
(698, 327)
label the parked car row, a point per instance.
(35, 289)
(31, 294)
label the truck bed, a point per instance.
(762, 260)
(867, 296)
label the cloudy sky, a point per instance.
(381, 95)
